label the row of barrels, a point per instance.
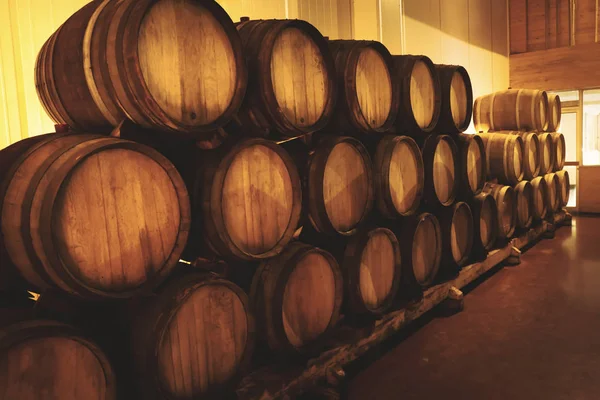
(184, 67)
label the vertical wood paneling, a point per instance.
(518, 26)
(551, 24)
(563, 16)
(585, 21)
(536, 25)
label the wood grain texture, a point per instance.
(559, 149)
(585, 22)
(513, 109)
(547, 153)
(518, 26)
(475, 168)
(540, 195)
(531, 154)
(487, 223)
(506, 202)
(458, 98)
(377, 270)
(461, 233)
(257, 199)
(565, 187)
(553, 199)
(555, 113)
(425, 248)
(204, 343)
(589, 200)
(525, 203)
(444, 174)
(504, 155)
(422, 94)
(373, 87)
(46, 360)
(187, 61)
(536, 25)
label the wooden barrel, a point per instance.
(506, 203)
(297, 298)
(399, 176)
(457, 99)
(420, 94)
(504, 155)
(531, 154)
(565, 188)
(193, 339)
(339, 185)
(94, 216)
(554, 112)
(456, 225)
(293, 89)
(525, 204)
(372, 270)
(547, 153)
(248, 199)
(368, 102)
(171, 65)
(421, 244)
(513, 109)
(47, 360)
(473, 167)
(553, 199)
(440, 159)
(540, 195)
(485, 222)
(559, 149)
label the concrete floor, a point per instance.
(527, 332)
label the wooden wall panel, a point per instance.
(564, 68)
(455, 36)
(423, 28)
(518, 26)
(585, 22)
(536, 25)
(563, 16)
(588, 200)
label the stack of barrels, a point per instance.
(525, 156)
(234, 183)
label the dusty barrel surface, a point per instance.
(506, 203)
(247, 199)
(297, 298)
(421, 244)
(367, 100)
(399, 176)
(525, 204)
(456, 225)
(553, 198)
(513, 109)
(554, 112)
(540, 196)
(292, 89)
(420, 93)
(504, 155)
(565, 188)
(547, 153)
(372, 270)
(94, 216)
(47, 360)
(193, 339)
(485, 222)
(457, 99)
(473, 166)
(108, 63)
(440, 159)
(559, 149)
(339, 185)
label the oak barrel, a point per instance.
(513, 109)
(169, 64)
(559, 149)
(368, 101)
(247, 199)
(297, 298)
(372, 270)
(485, 223)
(504, 155)
(565, 188)
(547, 153)
(292, 89)
(540, 196)
(553, 198)
(456, 224)
(525, 204)
(339, 187)
(473, 166)
(531, 154)
(193, 339)
(46, 360)
(97, 217)
(421, 244)
(420, 103)
(506, 203)
(399, 176)
(554, 112)
(442, 170)
(457, 99)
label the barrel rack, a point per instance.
(289, 381)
